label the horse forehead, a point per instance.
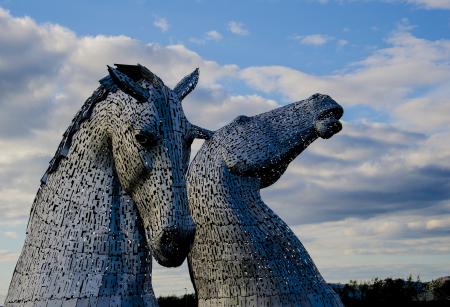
(282, 120)
(246, 132)
(172, 117)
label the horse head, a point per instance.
(263, 145)
(151, 139)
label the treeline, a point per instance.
(377, 292)
(188, 300)
(395, 292)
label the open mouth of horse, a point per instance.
(327, 123)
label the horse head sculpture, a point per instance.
(151, 142)
(243, 253)
(263, 145)
(113, 196)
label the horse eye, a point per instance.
(146, 138)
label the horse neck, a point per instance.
(84, 193)
(88, 170)
(210, 179)
(81, 213)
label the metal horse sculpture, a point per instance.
(243, 253)
(113, 196)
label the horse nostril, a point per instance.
(337, 126)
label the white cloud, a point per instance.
(313, 39)
(319, 39)
(386, 80)
(30, 58)
(161, 23)
(380, 241)
(10, 234)
(8, 256)
(425, 4)
(342, 42)
(429, 111)
(197, 41)
(438, 223)
(431, 4)
(238, 28)
(214, 35)
(217, 113)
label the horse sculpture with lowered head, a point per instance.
(113, 196)
(243, 253)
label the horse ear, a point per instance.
(201, 133)
(128, 85)
(148, 75)
(185, 86)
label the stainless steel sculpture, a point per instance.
(113, 196)
(243, 253)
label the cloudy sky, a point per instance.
(372, 201)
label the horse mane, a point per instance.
(107, 85)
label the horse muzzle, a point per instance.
(327, 123)
(172, 245)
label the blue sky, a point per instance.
(372, 201)
(272, 26)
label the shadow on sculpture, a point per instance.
(243, 253)
(113, 196)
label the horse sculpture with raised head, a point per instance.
(243, 253)
(113, 196)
